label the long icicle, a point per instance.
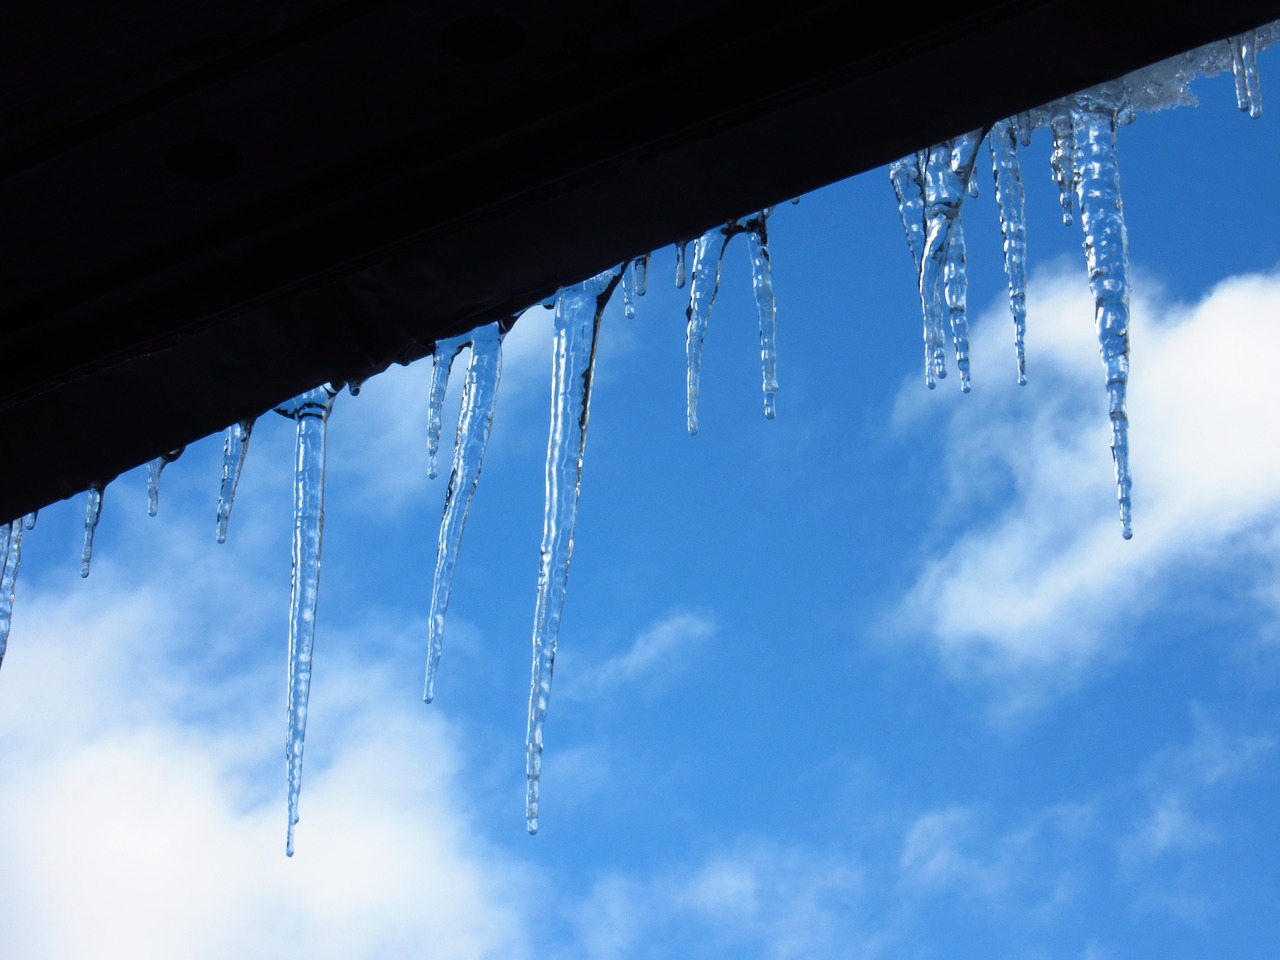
(1244, 65)
(310, 411)
(1012, 204)
(766, 307)
(577, 325)
(446, 352)
(1106, 245)
(235, 446)
(475, 419)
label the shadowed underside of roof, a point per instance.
(207, 208)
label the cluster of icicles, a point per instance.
(930, 186)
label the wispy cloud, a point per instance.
(658, 654)
(1030, 575)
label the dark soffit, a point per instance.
(208, 207)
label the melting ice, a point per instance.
(310, 412)
(930, 186)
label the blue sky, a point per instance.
(876, 679)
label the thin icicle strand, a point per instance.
(577, 327)
(943, 281)
(766, 307)
(1060, 161)
(446, 352)
(1244, 65)
(154, 469)
(1106, 245)
(11, 551)
(474, 422)
(1011, 202)
(92, 514)
(235, 446)
(310, 411)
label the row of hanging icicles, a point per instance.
(930, 186)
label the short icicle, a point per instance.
(11, 556)
(1106, 245)
(1060, 161)
(474, 422)
(446, 352)
(766, 307)
(907, 177)
(943, 282)
(235, 446)
(1011, 202)
(1244, 65)
(154, 469)
(681, 255)
(577, 325)
(92, 514)
(708, 257)
(310, 412)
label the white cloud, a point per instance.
(761, 900)
(144, 802)
(659, 652)
(1037, 580)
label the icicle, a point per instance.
(641, 265)
(766, 307)
(310, 411)
(474, 420)
(353, 387)
(629, 291)
(154, 469)
(92, 514)
(577, 324)
(10, 556)
(235, 445)
(1024, 128)
(681, 274)
(1244, 64)
(446, 352)
(947, 170)
(30, 519)
(1011, 201)
(702, 294)
(1106, 245)
(907, 177)
(1060, 161)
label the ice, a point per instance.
(446, 352)
(947, 170)
(92, 514)
(10, 557)
(577, 327)
(1011, 201)
(235, 445)
(708, 257)
(1244, 65)
(310, 411)
(766, 308)
(154, 469)
(1061, 160)
(681, 273)
(474, 421)
(1106, 243)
